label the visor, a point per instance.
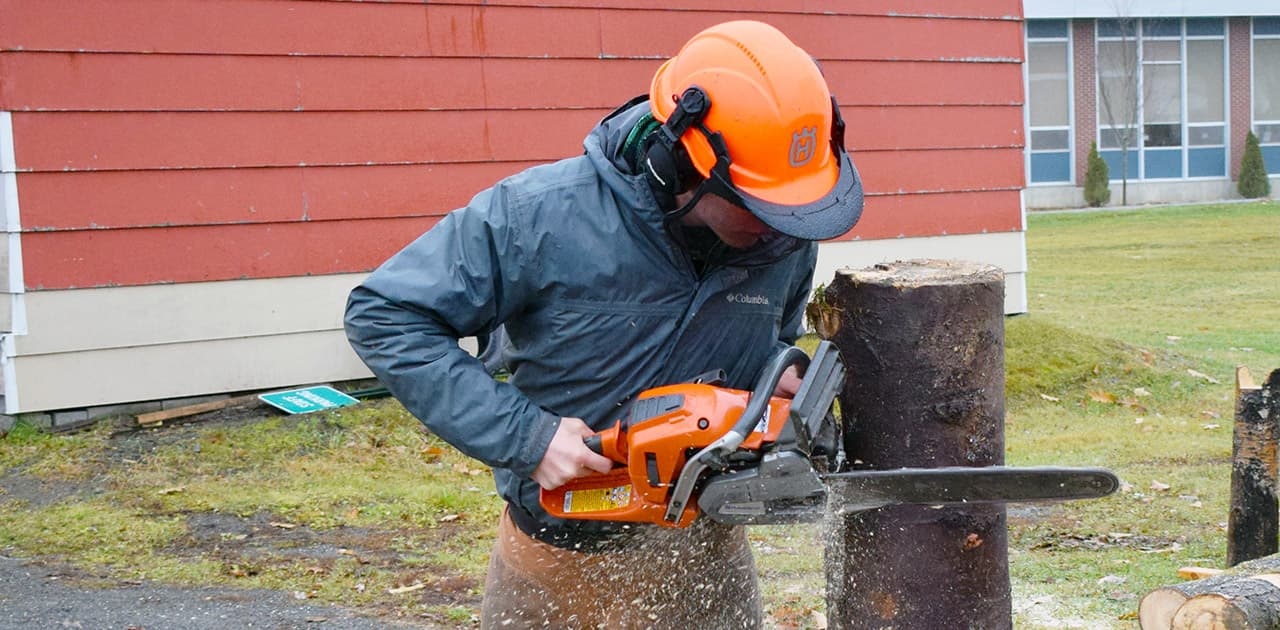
(827, 217)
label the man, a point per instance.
(682, 241)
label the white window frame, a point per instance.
(1070, 127)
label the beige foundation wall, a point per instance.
(102, 346)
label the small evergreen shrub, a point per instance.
(1253, 172)
(1097, 179)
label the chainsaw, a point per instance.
(747, 458)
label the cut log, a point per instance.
(1196, 573)
(1254, 519)
(1247, 603)
(924, 345)
(1156, 610)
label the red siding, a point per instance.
(885, 29)
(178, 197)
(213, 139)
(166, 82)
(132, 140)
(87, 258)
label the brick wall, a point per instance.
(1084, 59)
(1239, 88)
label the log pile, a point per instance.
(1246, 596)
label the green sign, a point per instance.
(307, 399)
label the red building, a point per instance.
(190, 187)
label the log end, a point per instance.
(925, 272)
(1244, 380)
(1156, 609)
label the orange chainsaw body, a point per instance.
(650, 446)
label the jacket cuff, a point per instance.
(535, 446)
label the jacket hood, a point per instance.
(604, 147)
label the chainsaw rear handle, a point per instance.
(610, 443)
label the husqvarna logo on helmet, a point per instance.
(804, 144)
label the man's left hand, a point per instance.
(789, 384)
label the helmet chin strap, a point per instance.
(684, 209)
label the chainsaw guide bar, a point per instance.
(767, 497)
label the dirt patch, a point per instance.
(36, 492)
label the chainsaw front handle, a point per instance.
(714, 453)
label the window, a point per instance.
(1266, 89)
(1162, 97)
(1206, 107)
(1049, 101)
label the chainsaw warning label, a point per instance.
(597, 499)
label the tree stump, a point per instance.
(1254, 520)
(923, 342)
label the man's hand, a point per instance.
(567, 457)
(789, 384)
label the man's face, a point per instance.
(735, 226)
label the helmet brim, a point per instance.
(827, 217)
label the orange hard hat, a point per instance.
(770, 105)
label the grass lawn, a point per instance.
(1137, 321)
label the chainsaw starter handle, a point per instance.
(714, 453)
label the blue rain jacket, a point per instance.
(598, 302)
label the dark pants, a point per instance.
(686, 579)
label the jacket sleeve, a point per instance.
(464, 276)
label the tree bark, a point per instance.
(924, 345)
(1254, 520)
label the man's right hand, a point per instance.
(567, 457)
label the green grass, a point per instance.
(1127, 359)
(1200, 279)
(1133, 316)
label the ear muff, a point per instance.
(667, 165)
(669, 171)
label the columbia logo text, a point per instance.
(743, 298)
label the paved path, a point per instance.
(33, 595)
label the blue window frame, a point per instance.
(1112, 158)
(1051, 167)
(1207, 162)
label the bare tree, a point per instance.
(1119, 78)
